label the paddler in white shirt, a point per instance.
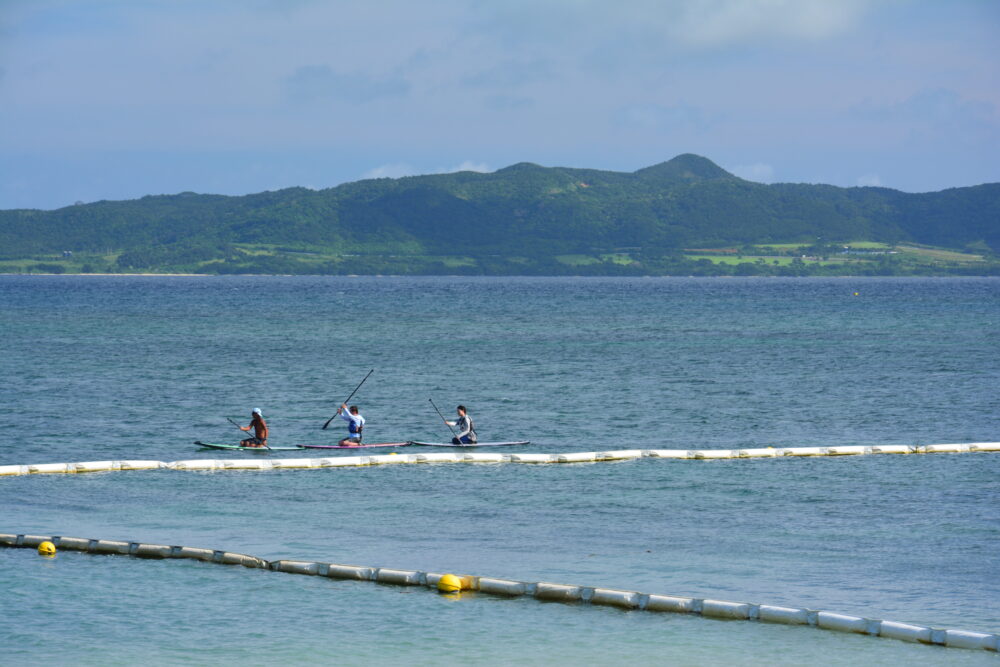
(466, 429)
(355, 425)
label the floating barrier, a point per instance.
(544, 591)
(206, 465)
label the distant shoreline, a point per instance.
(460, 275)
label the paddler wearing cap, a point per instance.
(259, 427)
(355, 425)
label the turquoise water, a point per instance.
(112, 368)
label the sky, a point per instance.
(116, 99)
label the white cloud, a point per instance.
(392, 170)
(870, 180)
(703, 24)
(758, 171)
(733, 21)
(467, 165)
(401, 169)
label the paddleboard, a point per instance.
(212, 445)
(361, 446)
(477, 444)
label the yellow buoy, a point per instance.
(46, 548)
(855, 294)
(449, 583)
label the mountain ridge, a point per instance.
(523, 210)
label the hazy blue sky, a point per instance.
(106, 99)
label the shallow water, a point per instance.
(113, 368)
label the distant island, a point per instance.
(687, 216)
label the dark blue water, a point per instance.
(113, 368)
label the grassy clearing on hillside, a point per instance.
(272, 259)
(769, 260)
(622, 258)
(577, 260)
(939, 255)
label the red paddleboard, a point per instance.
(361, 446)
(474, 444)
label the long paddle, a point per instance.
(241, 428)
(348, 398)
(444, 420)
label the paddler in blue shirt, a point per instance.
(259, 427)
(355, 425)
(466, 429)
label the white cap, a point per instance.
(257, 411)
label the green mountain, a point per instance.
(524, 216)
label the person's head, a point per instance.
(461, 410)
(256, 414)
(354, 409)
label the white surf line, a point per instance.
(632, 600)
(482, 457)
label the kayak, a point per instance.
(475, 444)
(361, 446)
(212, 445)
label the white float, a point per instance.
(614, 598)
(532, 458)
(842, 622)
(759, 452)
(850, 450)
(787, 615)
(578, 457)
(905, 632)
(946, 449)
(335, 571)
(619, 455)
(97, 466)
(294, 463)
(676, 605)
(140, 465)
(483, 457)
(51, 468)
(713, 454)
(893, 449)
(296, 566)
(437, 457)
(725, 609)
(558, 592)
(502, 586)
(666, 453)
(398, 577)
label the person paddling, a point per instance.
(355, 424)
(466, 429)
(259, 427)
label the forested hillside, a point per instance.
(519, 219)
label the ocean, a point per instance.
(138, 367)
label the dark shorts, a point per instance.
(464, 440)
